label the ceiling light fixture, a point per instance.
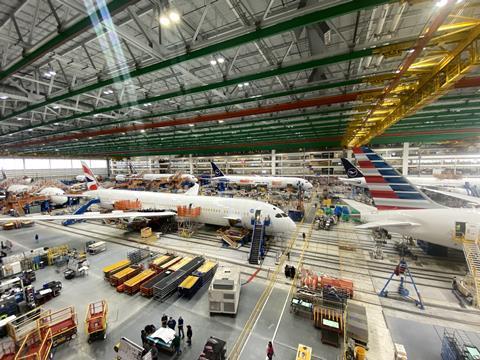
(221, 121)
(220, 60)
(240, 85)
(56, 124)
(191, 125)
(56, 107)
(174, 16)
(441, 3)
(246, 84)
(164, 21)
(142, 131)
(213, 62)
(4, 97)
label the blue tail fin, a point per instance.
(216, 171)
(351, 170)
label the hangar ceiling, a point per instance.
(137, 77)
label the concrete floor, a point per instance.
(390, 320)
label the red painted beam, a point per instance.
(467, 82)
(326, 100)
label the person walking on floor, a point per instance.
(180, 328)
(164, 320)
(171, 323)
(189, 335)
(303, 236)
(270, 351)
(36, 238)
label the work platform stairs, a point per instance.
(257, 247)
(472, 255)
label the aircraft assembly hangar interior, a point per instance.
(239, 179)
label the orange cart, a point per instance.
(96, 321)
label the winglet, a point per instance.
(193, 191)
(216, 171)
(92, 183)
(352, 171)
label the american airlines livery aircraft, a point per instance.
(402, 208)
(439, 186)
(269, 181)
(214, 210)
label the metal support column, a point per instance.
(190, 163)
(274, 159)
(406, 148)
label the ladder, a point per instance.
(257, 240)
(472, 255)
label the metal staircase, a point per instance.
(472, 255)
(81, 210)
(257, 243)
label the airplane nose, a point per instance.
(291, 226)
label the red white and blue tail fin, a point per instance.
(388, 188)
(90, 178)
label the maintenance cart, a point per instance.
(96, 321)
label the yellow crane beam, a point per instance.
(430, 86)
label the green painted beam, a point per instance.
(306, 89)
(259, 33)
(65, 35)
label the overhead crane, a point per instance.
(442, 70)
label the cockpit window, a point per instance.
(284, 215)
(278, 215)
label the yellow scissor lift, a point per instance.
(469, 236)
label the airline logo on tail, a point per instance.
(217, 172)
(92, 183)
(351, 170)
(389, 189)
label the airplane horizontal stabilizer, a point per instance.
(386, 224)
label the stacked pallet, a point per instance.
(112, 269)
(146, 289)
(206, 271)
(189, 286)
(133, 285)
(159, 261)
(169, 285)
(200, 277)
(123, 275)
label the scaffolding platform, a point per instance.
(187, 220)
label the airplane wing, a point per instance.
(92, 216)
(233, 217)
(468, 198)
(386, 224)
(361, 207)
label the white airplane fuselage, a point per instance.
(278, 182)
(214, 210)
(436, 226)
(153, 177)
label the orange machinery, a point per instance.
(96, 321)
(188, 211)
(345, 285)
(62, 323)
(36, 346)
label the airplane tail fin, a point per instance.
(216, 171)
(92, 183)
(389, 189)
(351, 170)
(193, 191)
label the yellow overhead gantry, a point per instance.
(422, 82)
